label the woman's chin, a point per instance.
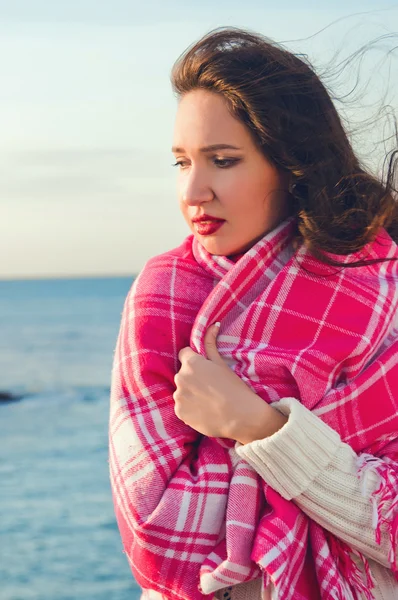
(218, 247)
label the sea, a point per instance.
(58, 535)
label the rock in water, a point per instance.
(9, 397)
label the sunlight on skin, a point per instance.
(237, 183)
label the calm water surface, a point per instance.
(58, 536)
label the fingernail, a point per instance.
(218, 324)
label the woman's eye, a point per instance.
(179, 163)
(224, 163)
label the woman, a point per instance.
(254, 422)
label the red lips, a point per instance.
(206, 218)
(207, 225)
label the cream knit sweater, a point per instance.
(307, 462)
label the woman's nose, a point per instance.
(196, 191)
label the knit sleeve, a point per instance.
(307, 462)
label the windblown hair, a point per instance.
(339, 206)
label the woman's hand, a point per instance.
(212, 399)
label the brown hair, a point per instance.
(339, 206)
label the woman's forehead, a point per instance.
(203, 119)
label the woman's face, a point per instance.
(223, 175)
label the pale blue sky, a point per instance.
(87, 114)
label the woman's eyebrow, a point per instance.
(178, 149)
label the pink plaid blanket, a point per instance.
(193, 520)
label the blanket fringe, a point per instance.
(353, 586)
(385, 494)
